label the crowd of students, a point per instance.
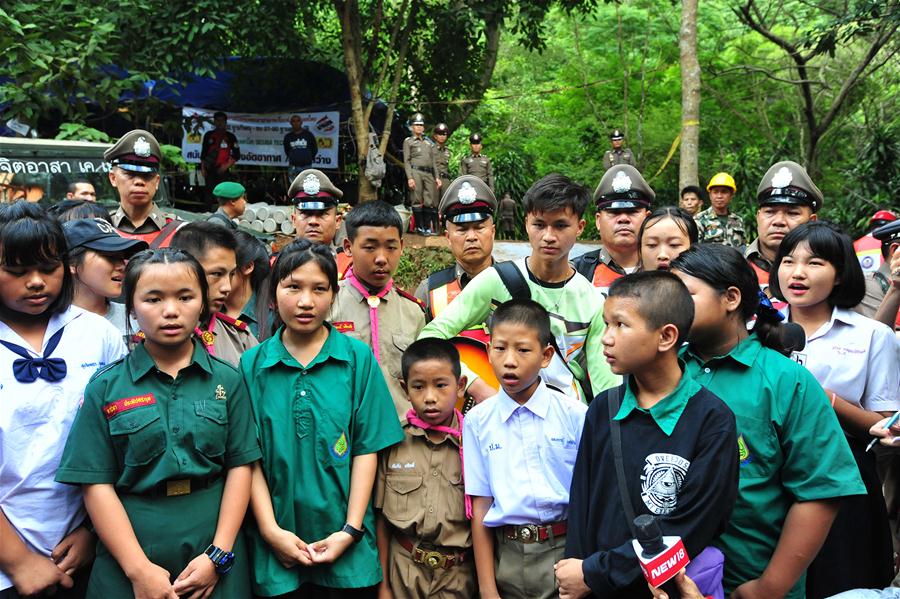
(240, 428)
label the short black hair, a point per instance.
(250, 249)
(219, 114)
(526, 312)
(68, 210)
(828, 242)
(372, 214)
(556, 192)
(661, 299)
(73, 185)
(199, 237)
(430, 348)
(692, 189)
(28, 237)
(140, 261)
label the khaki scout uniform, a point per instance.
(478, 165)
(713, 231)
(165, 445)
(419, 490)
(420, 166)
(227, 338)
(400, 319)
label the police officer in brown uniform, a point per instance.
(421, 167)
(787, 198)
(315, 216)
(442, 154)
(477, 163)
(618, 154)
(623, 200)
(135, 160)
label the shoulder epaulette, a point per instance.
(411, 298)
(103, 369)
(235, 322)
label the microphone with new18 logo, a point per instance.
(661, 558)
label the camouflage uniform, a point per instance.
(712, 231)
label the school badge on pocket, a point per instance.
(340, 447)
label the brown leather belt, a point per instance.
(534, 533)
(431, 557)
(423, 169)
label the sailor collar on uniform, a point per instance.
(140, 362)
(667, 411)
(336, 346)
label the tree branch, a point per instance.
(399, 66)
(373, 44)
(376, 89)
(491, 50)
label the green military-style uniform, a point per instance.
(165, 445)
(725, 230)
(790, 444)
(312, 421)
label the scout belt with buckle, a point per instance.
(431, 557)
(533, 533)
(183, 486)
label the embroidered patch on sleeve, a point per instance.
(128, 403)
(345, 326)
(743, 451)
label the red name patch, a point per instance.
(129, 403)
(344, 327)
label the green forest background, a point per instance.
(566, 72)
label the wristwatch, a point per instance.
(356, 533)
(221, 559)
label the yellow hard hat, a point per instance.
(722, 180)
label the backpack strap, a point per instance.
(513, 279)
(586, 263)
(612, 400)
(165, 233)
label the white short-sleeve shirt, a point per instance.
(35, 419)
(523, 455)
(857, 358)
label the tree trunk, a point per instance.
(351, 43)
(690, 95)
(491, 50)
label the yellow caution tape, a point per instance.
(675, 143)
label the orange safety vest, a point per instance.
(344, 262)
(155, 239)
(604, 277)
(763, 276)
(472, 343)
(868, 252)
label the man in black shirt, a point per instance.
(300, 147)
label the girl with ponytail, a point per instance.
(789, 479)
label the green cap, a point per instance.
(229, 190)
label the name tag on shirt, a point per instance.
(128, 403)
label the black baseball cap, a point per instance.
(98, 235)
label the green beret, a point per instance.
(229, 190)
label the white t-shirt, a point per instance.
(857, 358)
(35, 419)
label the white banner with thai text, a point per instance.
(261, 136)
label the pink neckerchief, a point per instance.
(207, 337)
(373, 301)
(413, 419)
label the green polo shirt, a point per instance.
(791, 450)
(312, 420)
(139, 427)
(666, 411)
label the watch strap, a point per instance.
(354, 532)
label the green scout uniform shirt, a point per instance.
(666, 411)
(139, 427)
(311, 422)
(478, 165)
(713, 231)
(791, 449)
(400, 319)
